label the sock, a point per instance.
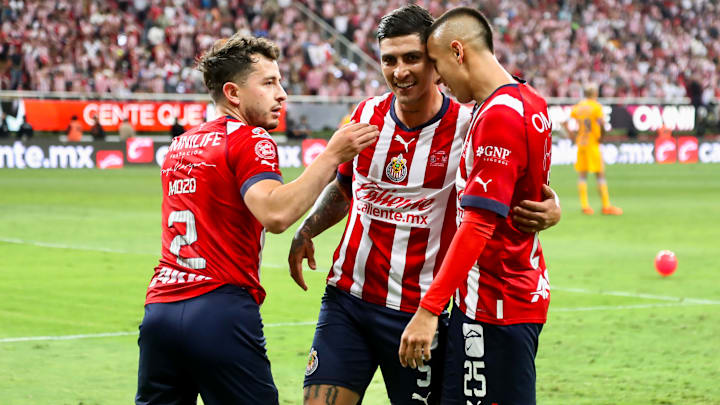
(582, 189)
(604, 194)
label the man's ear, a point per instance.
(458, 51)
(230, 91)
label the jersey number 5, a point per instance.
(188, 238)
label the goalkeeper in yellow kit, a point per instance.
(591, 127)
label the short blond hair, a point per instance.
(590, 89)
(231, 60)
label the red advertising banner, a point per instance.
(140, 150)
(665, 150)
(145, 116)
(687, 149)
(109, 159)
(311, 148)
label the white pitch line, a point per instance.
(619, 307)
(97, 249)
(65, 337)
(71, 247)
(114, 334)
(308, 323)
(637, 295)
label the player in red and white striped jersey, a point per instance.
(499, 272)
(401, 189)
(222, 188)
(400, 196)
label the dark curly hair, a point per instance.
(231, 60)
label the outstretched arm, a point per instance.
(277, 206)
(332, 206)
(568, 133)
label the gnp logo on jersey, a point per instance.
(312, 363)
(396, 170)
(474, 340)
(140, 150)
(109, 159)
(265, 149)
(495, 154)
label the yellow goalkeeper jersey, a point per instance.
(587, 113)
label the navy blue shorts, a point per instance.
(212, 345)
(489, 364)
(353, 338)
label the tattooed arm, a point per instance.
(332, 206)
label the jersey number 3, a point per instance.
(188, 238)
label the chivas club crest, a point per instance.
(396, 170)
(312, 363)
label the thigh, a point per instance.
(340, 354)
(225, 347)
(581, 163)
(595, 162)
(408, 385)
(162, 372)
(490, 363)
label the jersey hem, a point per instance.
(382, 302)
(167, 299)
(495, 321)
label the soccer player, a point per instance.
(589, 116)
(222, 188)
(400, 196)
(497, 271)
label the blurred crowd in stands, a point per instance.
(650, 48)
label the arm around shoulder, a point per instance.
(277, 205)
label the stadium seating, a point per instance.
(642, 49)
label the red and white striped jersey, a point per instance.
(401, 219)
(209, 236)
(506, 159)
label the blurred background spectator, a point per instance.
(97, 131)
(74, 130)
(298, 130)
(4, 131)
(176, 129)
(125, 130)
(650, 48)
(25, 131)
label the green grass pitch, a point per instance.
(77, 248)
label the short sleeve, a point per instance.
(574, 112)
(345, 172)
(598, 112)
(500, 157)
(252, 156)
